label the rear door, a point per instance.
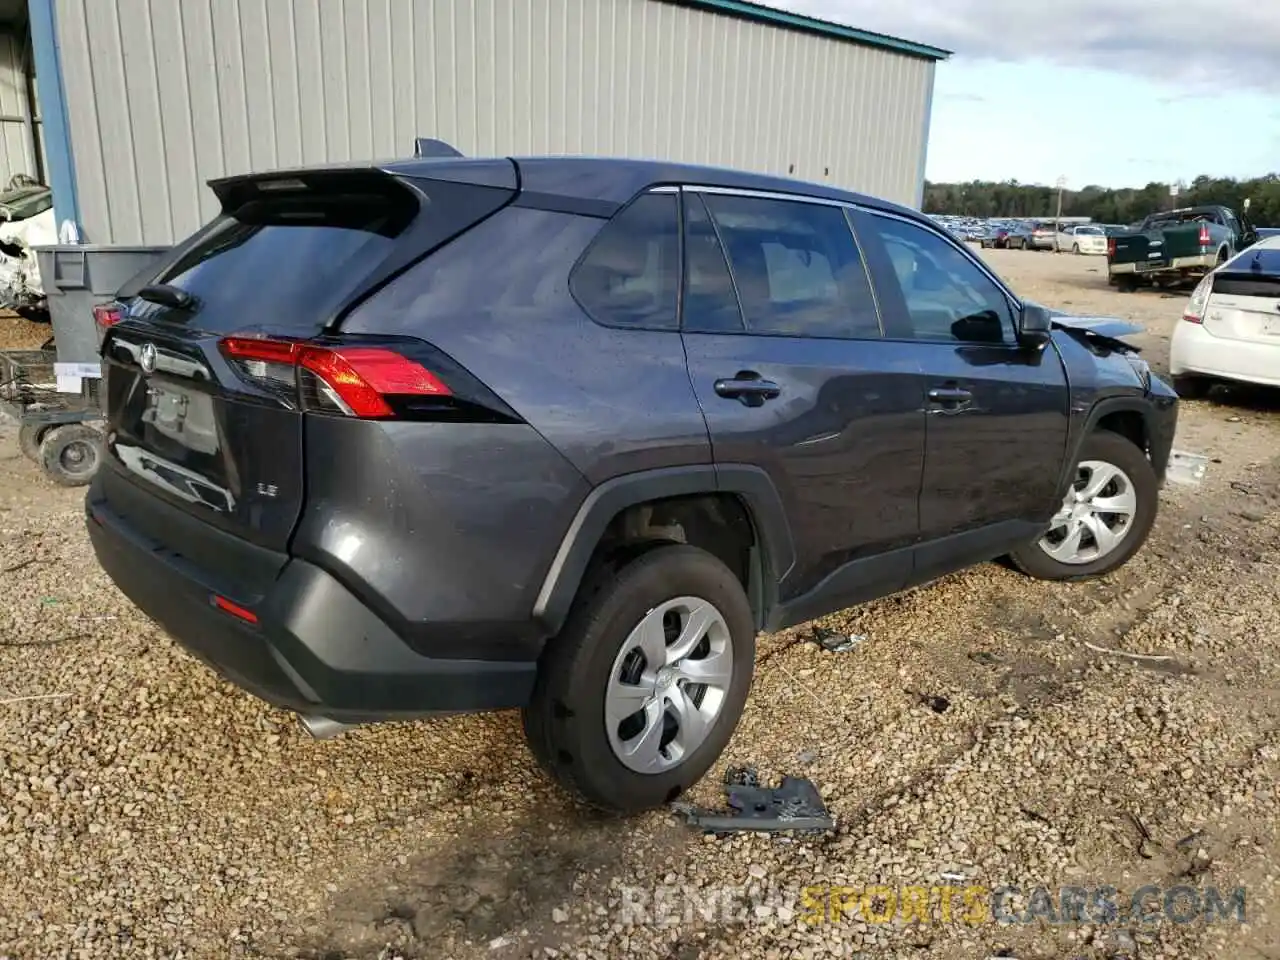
(997, 412)
(794, 376)
(196, 424)
(1245, 302)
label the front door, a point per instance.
(997, 411)
(788, 361)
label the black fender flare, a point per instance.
(751, 484)
(1130, 403)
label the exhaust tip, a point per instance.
(322, 728)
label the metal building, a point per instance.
(143, 101)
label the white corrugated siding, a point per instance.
(17, 152)
(166, 94)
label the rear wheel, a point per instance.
(1075, 248)
(29, 436)
(70, 454)
(639, 693)
(1188, 386)
(1104, 518)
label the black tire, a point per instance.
(564, 723)
(1188, 386)
(29, 437)
(70, 454)
(1075, 248)
(1114, 449)
(1126, 284)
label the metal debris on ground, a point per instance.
(985, 658)
(793, 805)
(833, 641)
(1187, 469)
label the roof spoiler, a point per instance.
(427, 147)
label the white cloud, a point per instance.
(1196, 48)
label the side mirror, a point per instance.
(1034, 325)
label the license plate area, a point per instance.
(1149, 266)
(181, 415)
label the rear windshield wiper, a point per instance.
(167, 295)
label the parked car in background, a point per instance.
(1168, 247)
(1015, 236)
(1044, 235)
(338, 466)
(1084, 238)
(1231, 325)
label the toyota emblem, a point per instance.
(147, 358)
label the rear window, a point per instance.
(1184, 216)
(286, 262)
(1254, 273)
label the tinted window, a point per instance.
(710, 302)
(628, 277)
(947, 296)
(796, 268)
(287, 262)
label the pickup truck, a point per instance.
(1166, 248)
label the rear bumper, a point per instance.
(314, 648)
(1194, 350)
(1205, 262)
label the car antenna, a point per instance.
(427, 147)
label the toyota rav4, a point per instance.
(563, 435)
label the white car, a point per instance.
(1230, 329)
(1083, 238)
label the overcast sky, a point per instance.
(1116, 92)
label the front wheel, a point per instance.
(1075, 248)
(1104, 518)
(639, 693)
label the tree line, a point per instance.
(1124, 205)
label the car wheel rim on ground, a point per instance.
(1096, 514)
(668, 684)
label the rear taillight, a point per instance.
(1111, 246)
(1199, 302)
(106, 315)
(1204, 234)
(355, 381)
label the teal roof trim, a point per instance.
(825, 28)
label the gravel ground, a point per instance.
(148, 809)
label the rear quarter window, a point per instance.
(629, 275)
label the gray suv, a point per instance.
(448, 435)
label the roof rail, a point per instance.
(427, 147)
